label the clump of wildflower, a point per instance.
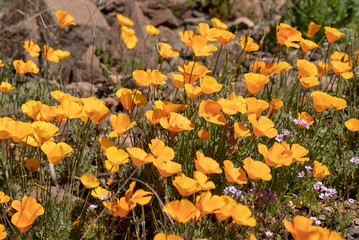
(354, 160)
(279, 138)
(269, 234)
(318, 222)
(233, 191)
(264, 195)
(301, 123)
(326, 192)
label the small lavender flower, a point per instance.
(318, 222)
(279, 138)
(355, 160)
(93, 206)
(269, 234)
(105, 196)
(317, 185)
(309, 168)
(232, 191)
(351, 201)
(301, 174)
(325, 43)
(301, 123)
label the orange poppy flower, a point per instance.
(312, 29)
(226, 211)
(209, 33)
(105, 143)
(202, 180)
(4, 198)
(71, 109)
(32, 108)
(309, 82)
(321, 101)
(232, 104)
(187, 37)
(95, 109)
(56, 151)
(342, 68)
(180, 210)
(186, 185)
(99, 192)
(255, 82)
(64, 19)
(301, 228)
(128, 37)
(1, 63)
(333, 34)
(90, 181)
(124, 21)
(62, 54)
(234, 175)
(323, 68)
(287, 35)
(263, 127)
(211, 111)
(28, 210)
(168, 168)
(167, 51)
(120, 124)
(60, 96)
(151, 30)
(306, 68)
(200, 47)
(129, 98)
(257, 169)
(163, 236)
(242, 215)
(18, 130)
(307, 45)
(268, 68)
(44, 131)
(275, 105)
(149, 77)
(241, 131)
(140, 157)
(352, 124)
(218, 24)
(319, 170)
(256, 106)
(6, 87)
(207, 204)
(209, 85)
(277, 156)
(192, 71)
(32, 164)
(25, 67)
(206, 165)
(193, 91)
(178, 80)
(32, 48)
(160, 151)
(50, 54)
(298, 153)
(116, 156)
(203, 135)
(176, 123)
(225, 37)
(248, 44)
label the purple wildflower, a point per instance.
(301, 174)
(355, 160)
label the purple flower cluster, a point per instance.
(354, 160)
(232, 191)
(326, 192)
(105, 196)
(263, 194)
(302, 123)
(285, 132)
(318, 222)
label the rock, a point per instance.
(115, 78)
(240, 23)
(193, 22)
(165, 17)
(110, 103)
(83, 89)
(249, 8)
